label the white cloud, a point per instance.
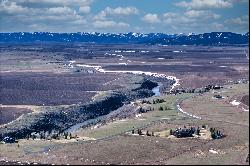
(238, 20)
(60, 10)
(189, 17)
(73, 2)
(192, 21)
(205, 4)
(201, 13)
(38, 27)
(217, 26)
(84, 9)
(100, 16)
(7, 7)
(239, 1)
(109, 24)
(177, 19)
(169, 15)
(51, 3)
(67, 15)
(151, 18)
(55, 18)
(194, 13)
(119, 11)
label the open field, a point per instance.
(119, 126)
(9, 114)
(52, 89)
(201, 106)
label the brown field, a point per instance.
(245, 100)
(51, 88)
(9, 114)
(171, 68)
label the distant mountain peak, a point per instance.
(212, 38)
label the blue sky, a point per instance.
(122, 16)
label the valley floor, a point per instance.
(112, 143)
(41, 80)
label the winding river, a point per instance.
(156, 90)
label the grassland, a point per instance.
(155, 116)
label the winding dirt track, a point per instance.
(182, 110)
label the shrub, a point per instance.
(167, 108)
(161, 108)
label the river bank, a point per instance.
(157, 75)
(83, 115)
(59, 120)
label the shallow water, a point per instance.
(156, 91)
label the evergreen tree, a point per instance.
(133, 130)
(66, 135)
(198, 131)
(161, 108)
(171, 132)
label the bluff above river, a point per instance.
(64, 118)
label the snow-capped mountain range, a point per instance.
(213, 38)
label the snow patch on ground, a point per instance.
(71, 64)
(138, 115)
(129, 51)
(245, 110)
(120, 56)
(235, 103)
(213, 151)
(122, 63)
(181, 110)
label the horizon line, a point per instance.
(126, 32)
